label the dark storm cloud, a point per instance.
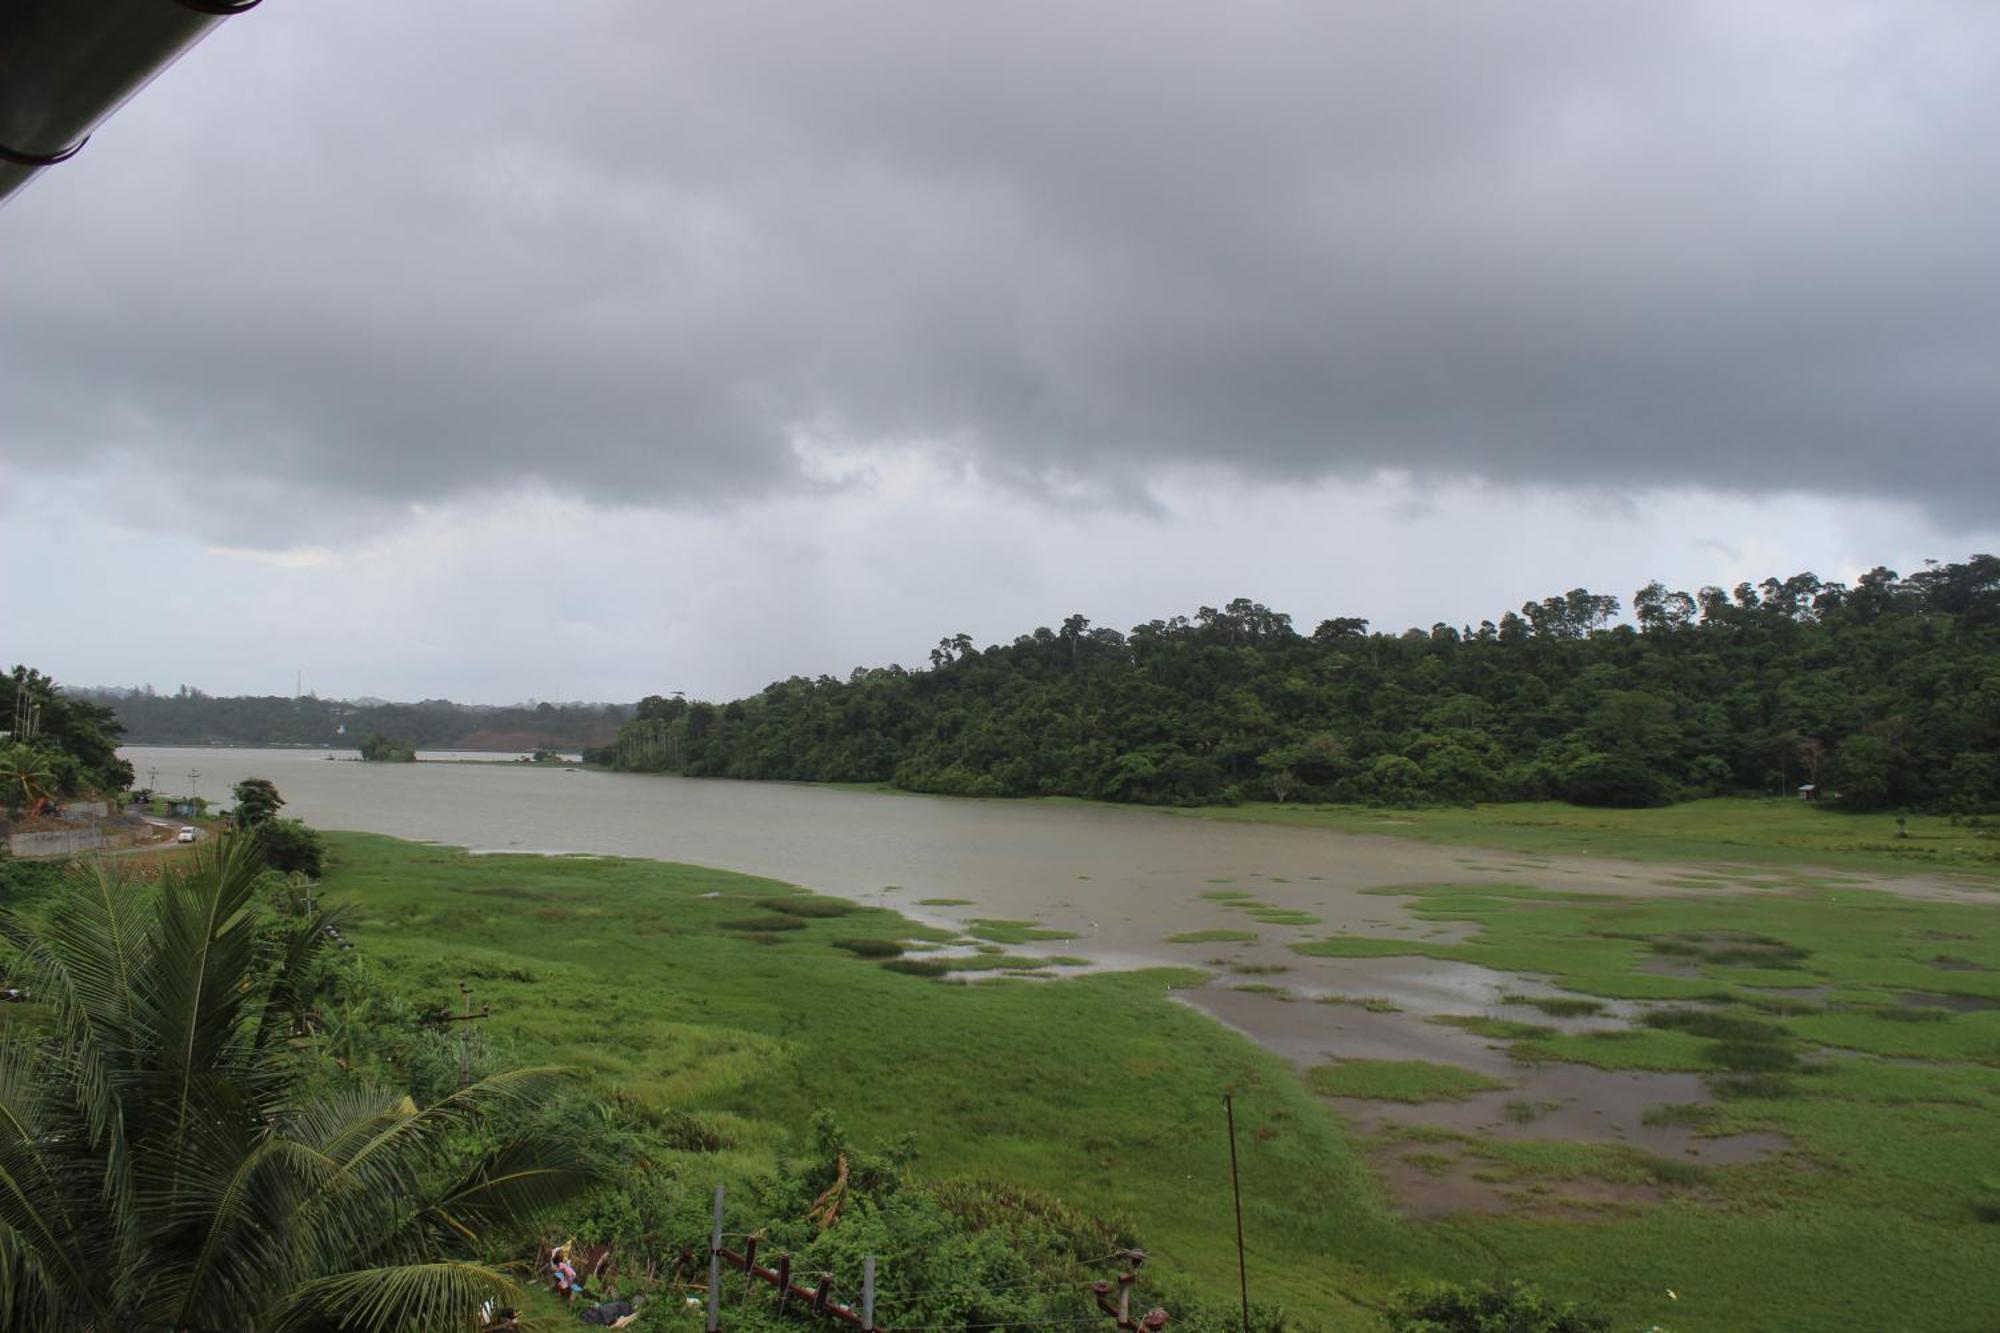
(396, 252)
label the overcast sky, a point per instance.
(495, 350)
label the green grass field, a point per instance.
(1102, 1090)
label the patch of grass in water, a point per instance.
(1260, 969)
(1399, 1081)
(944, 902)
(1556, 1006)
(1015, 932)
(1681, 1115)
(1521, 1111)
(1374, 1004)
(1274, 916)
(1265, 988)
(1213, 937)
(1428, 1161)
(1485, 1025)
(994, 962)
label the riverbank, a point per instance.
(1862, 1209)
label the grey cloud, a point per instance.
(394, 253)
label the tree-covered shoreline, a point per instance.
(192, 717)
(1885, 695)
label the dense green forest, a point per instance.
(190, 717)
(1885, 694)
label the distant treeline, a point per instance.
(190, 717)
(1884, 695)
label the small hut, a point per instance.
(1809, 791)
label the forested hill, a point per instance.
(190, 717)
(1886, 693)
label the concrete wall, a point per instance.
(66, 843)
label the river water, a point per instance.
(1121, 878)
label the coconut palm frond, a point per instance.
(507, 1190)
(403, 1298)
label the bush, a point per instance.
(1515, 1308)
(288, 845)
(917, 967)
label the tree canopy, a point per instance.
(1886, 692)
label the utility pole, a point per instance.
(714, 1321)
(194, 792)
(1236, 1190)
(464, 1036)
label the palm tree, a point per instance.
(164, 1166)
(26, 769)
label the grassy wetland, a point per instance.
(1801, 1070)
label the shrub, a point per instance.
(917, 967)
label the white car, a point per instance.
(187, 834)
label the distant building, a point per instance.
(1809, 791)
